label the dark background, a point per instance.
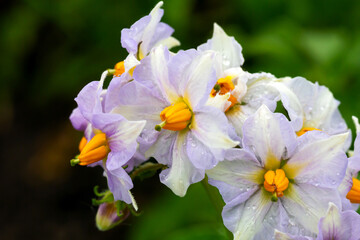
(49, 49)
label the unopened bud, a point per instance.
(109, 216)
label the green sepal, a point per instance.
(106, 196)
(147, 170)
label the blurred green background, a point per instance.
(51, 48)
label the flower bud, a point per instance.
(108, 216)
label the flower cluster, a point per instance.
(283, 174)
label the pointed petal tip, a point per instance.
(356, 123)
(159, 5)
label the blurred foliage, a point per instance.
(51, 49)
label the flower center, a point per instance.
(276, 183)
(175, 117)
(223, 86)
(306, 129)
(94, 150)
(354, 193)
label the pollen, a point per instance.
(306, 129)
(276, 182)
(94, 150)
(175, 117)
(223, 86)
(354, 193)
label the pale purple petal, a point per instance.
(77, 120)
(153, 73)
(311, 105)
(162, 149)
(112, 98)
(261, 91)
(130, 38)
(199, 78)
(210, 126)
(228, 47)
(119, 183)
(138, 102)
(237, 116)
(305, 204)
(239, 175)
(245, 220)
(146, 32)
(88, 99)
(181, 173)
(121, 135)
(345, 186)
(319, 160)
(339, 225)
(135, 161)
(200, 155)
(162, 31)
(270, 136)
(178, 64)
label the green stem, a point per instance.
(146, 167)
(218, 203)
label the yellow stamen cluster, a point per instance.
(94, 150)
(306, 129)
(354, 193)
(223, 86)
(175, 117)
(276, 182)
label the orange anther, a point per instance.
(354, 193)
(95, 150)
(276, 182)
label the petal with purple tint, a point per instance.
(305, 204)
(270, 136)
(210, 126)
(88, 99)
(121, 135)
(198, 79)
(154, 74)
(246, 219)
(181, 173)
(131, 37)
(229, 48)
(162, 149)
(238, 175)
(77, 120)
(138, 102)
(199, 154)
(339, 225)
(112, 97)
(146, 33)
(319, 160)
(120, 183)
(311, 105)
